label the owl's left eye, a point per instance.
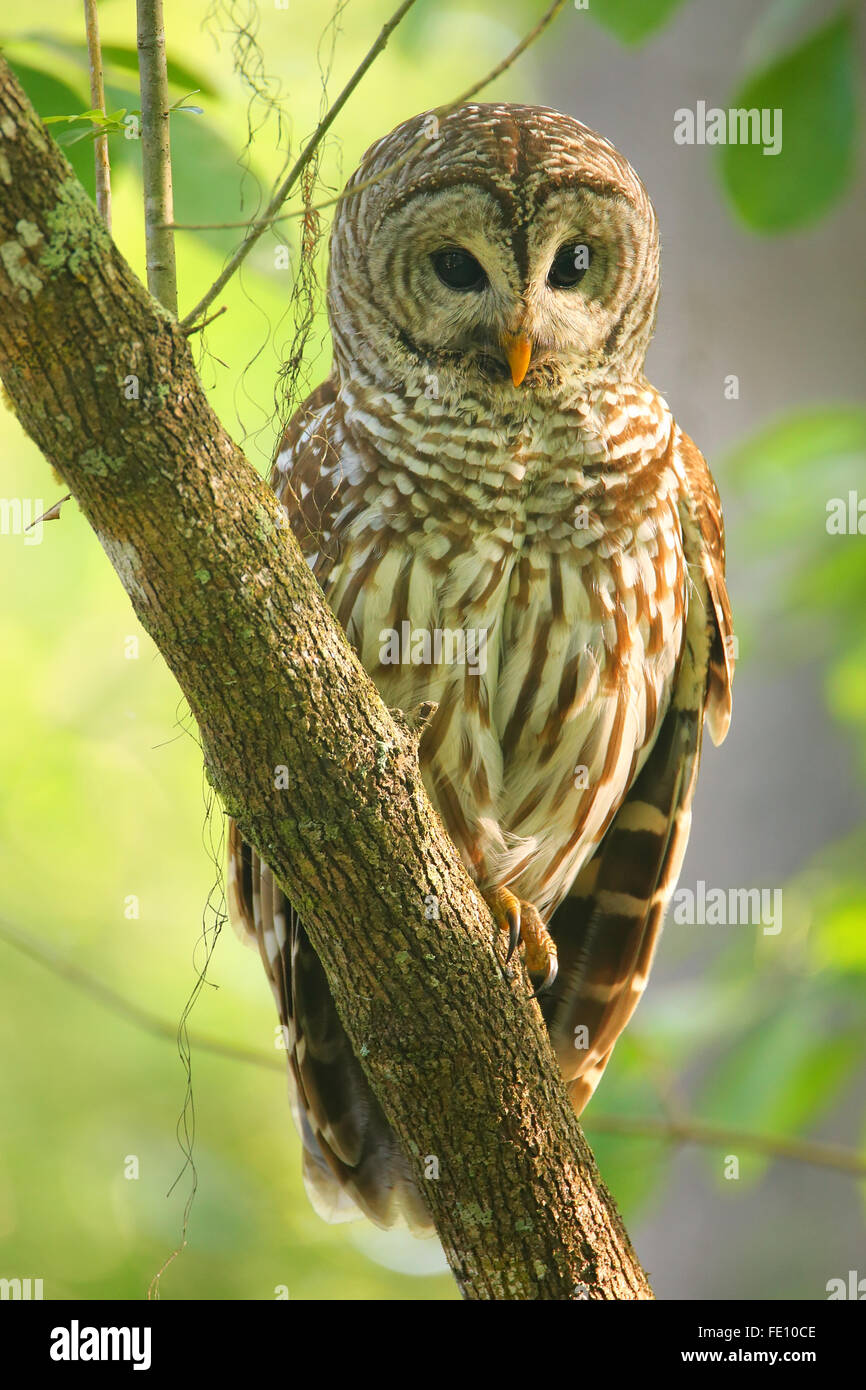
(570, 264)
(458, 270)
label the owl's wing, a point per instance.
(706, 529)
(352, 1161)
(607, 929)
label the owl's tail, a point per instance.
(352, 1164)
(607, 929)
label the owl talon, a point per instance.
(513, 933)
(523, 923)
(550, 978)
(506, 914)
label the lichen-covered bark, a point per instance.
(457, 1054)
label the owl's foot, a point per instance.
(523, 923)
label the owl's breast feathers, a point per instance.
(552, 547)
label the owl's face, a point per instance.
(515, 252)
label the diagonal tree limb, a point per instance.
(458, 1056)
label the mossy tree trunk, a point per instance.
(457, 1054)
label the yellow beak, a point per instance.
(518, 350)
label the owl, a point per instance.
(509, 524)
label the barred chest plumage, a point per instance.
(530, 580)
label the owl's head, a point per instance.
(494, 252)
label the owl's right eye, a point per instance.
(570, 264)
(458, 270)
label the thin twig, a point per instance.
(272, 213)
(682, 1131)
(256, 228)
(547, 18)
(197, 328)
(97, 101)
(690, 1131)
(66, 969)
(156, 155)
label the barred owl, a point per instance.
(507, 522)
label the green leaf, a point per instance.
(814, 88)
(807, 1090)
(206, 175)
(632, 21)
(634, 1167)
(96, 117)
(116, 55)
(801, 441)
(778, 1078)
(91, 135)
(179, 75)
(53, 99)
(180, 105)
(840, 941)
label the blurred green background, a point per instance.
(110, 852)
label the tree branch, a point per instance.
(69, 970)
(457, 1054)
(97, 100)
(156, 155)
(692, 1131)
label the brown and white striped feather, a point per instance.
(607, 929)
